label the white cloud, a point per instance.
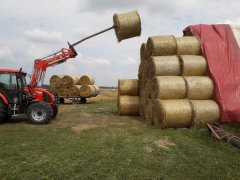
(38, 35)
(36, 51)
(95, 62)
(129, 62)
(6, 55)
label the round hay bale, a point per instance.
(193, 65)
(143, 52)
(86, 80)
(97, 89)
(172, 113)
(168, 87)
(204, 111)
(128, 87)
(69, 81)
(149, 111)
(164, 66)
(127, 25)
(188, 45)
(62, 91)
(128, 105)
(199, 87)
(56, 80)
(87, 91)
(74, 90)
(161, 46)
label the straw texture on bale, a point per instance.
(199, 87)
(56, 80)
(148, 110)
(143, 52)
(74, 90)
(62, 91)
(52, 89)
(193, 65)
(127, 25)
(172, 113)
(161, 46)
(69, 81)
(88, 91)
(164, 66)
(86, 80)
(188, 45)
(204, 111)
(168, 87)
(128, 87)
(128, 105)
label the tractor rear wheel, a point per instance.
(39, 113)
(3, 112)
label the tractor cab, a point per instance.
(12, 83)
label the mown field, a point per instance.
(91, 142)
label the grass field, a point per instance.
(91, 142)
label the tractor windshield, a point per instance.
(8, 84)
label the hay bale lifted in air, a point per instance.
(204, 111)
(188, 45)
(168, 87)
(128, 87)
(193, 65)
(89, 91)
(74, 90)
(86, 80)
(199, 87)
(127, 25)
(56, 80)
(128, 105)
(69, 81)
(161, 46)
(172, 113)
(164, 66)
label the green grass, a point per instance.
(91, 142)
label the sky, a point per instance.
(31, 29)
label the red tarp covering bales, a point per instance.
(221, 50)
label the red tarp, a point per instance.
(221, 50)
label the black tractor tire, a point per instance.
(83, 101)
(61, 99)
(55, 111)
(39, 113)
(3, 112)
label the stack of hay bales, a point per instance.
(74, 86)
(174, 88)
(128, 97)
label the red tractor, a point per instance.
(40, 105)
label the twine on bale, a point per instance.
(74, 90)
(193, 65)
(86, 80)
(161, 46)
(204, 111)
(168, 87)
(127, 25)
(56, 80)
(164, 66)
(128, 87)
(128, 105)
(172, 113)
(69, 81)
(199, 87)
(188, 45)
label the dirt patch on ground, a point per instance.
(164, 143)
(148, 149)
(85, 127)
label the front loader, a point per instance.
(40, 106)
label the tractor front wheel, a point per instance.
(55, 110)
(39, 113)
